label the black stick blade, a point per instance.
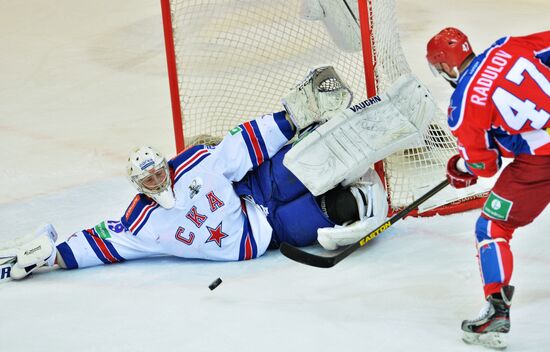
(319, 261)
(307, 258)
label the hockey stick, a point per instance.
(319, 261)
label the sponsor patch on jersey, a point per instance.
(497, 207)
(101, 230)
(235, 130)
(477, 166)
(131, 207)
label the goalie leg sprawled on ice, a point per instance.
(253, 190)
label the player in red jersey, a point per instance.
(500, 108)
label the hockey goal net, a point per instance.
(233, 60)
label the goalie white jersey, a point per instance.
(209, 219)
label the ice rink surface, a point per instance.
(81, 82)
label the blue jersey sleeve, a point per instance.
(544, 56)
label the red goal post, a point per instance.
(232, 60)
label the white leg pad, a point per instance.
(35, 253)
(346, 146)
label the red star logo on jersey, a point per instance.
(452, 116)
(450, 110)
(216, 235)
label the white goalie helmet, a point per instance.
(148, 171)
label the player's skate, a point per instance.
(28, 253)
(490, 329)
(372, 205)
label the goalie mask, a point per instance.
(149, 173)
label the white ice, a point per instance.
(81, 82)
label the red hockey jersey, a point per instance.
(501, 105)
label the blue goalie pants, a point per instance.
(292, 210)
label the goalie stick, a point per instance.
(319, 261)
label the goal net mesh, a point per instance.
(235, 59)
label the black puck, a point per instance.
(215, 284)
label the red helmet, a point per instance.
(449, 46)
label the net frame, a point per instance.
(376, 60)
(378, 63)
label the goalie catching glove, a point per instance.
(319, 96)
